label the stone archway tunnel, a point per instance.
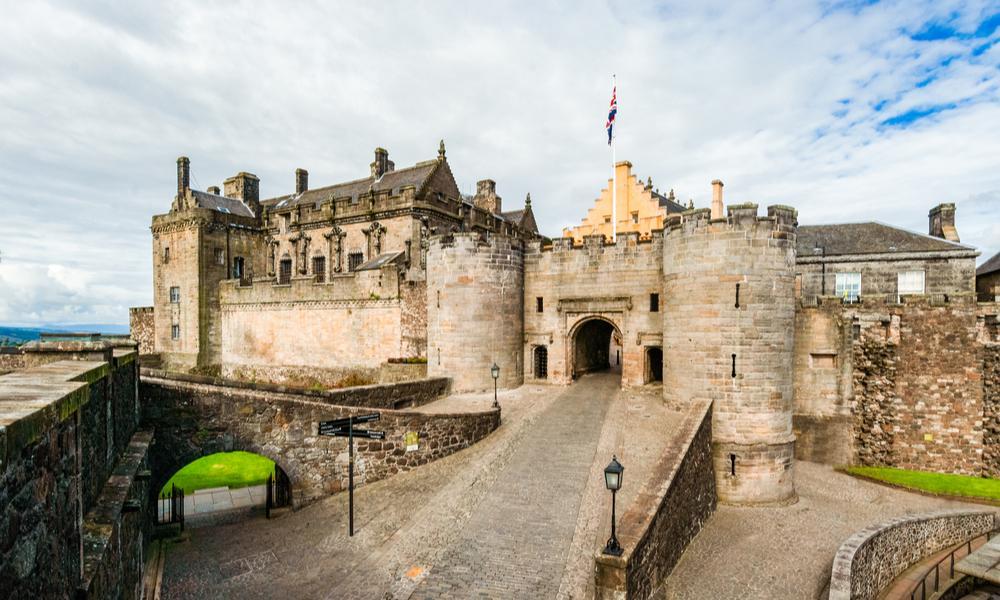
(592, 346)
(196, 416)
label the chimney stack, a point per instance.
(718, 209)
(183, 176)
(941, 222)
(246, 187)
(301, 180)
(382, 164)
(213, 189)
(486, 196)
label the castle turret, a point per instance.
(729, 316)
(475, 316)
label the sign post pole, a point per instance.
(345, 428)
(350, 476)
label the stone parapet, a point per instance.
(870, 559)
(667, 514)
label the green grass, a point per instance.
(935, 483)
(225, 469)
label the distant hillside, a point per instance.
(20, 335)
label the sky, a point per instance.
(848, 111)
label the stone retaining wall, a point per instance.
(870, 559)
(679, 498)
(193, 419)
(991, 410)
(64, 428)
(11, 359)
(403, 394)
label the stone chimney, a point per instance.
(382, 164)
(301, 180)
(183, 176)
(941, 222)
(486, 196)
(246, 187)
(718, 209)
(213, 189)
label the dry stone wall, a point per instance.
(142, 328)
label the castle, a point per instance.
(850, 343)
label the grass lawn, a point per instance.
(225, 469)
(935, 483)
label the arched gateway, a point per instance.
(595, 345)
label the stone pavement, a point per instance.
(213, 500)
(787, 552)
(421, 525)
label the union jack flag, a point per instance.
(611, 114)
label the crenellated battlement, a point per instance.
(781, 222)
(599, 243)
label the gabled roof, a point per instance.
(513, 216)
(391, 181)
(221, 204)
(868, 238)
(990, 266)
(668, 203)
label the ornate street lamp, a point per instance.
(613, 481)
(495, 371)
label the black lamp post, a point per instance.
(613, 481)
(495, 371)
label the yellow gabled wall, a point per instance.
(633, 197)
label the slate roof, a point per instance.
(379, 261)
(990, 266)
(513, 216)
(221, 204)
(868, 238)
(392, 181)
(668, 203)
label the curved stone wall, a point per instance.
(869, 560)
(728, 329)
(475, 310)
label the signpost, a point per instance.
(345, 428)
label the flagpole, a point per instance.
(614, 173)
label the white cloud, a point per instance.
(778, 99)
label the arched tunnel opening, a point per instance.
(221, 487)
(593, 348)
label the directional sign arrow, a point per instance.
(346, 421)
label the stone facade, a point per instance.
(658, 527)
(194, 419)
(728, 322)
(142, 328)
(72, 466)
(870, 559)
(991, 410)
(474, 316)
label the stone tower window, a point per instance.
(354, 260)
(175, 295)
(285, 271)
(220, 257)
(635, 217)
(319, 269)
(166, 254)
(175, 332)
(238, 268)
(539, 304)
(654, 303)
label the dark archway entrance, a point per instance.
(654, 364)
(592, 347)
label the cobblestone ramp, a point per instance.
(515, 543)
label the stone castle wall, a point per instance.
(74, 508)
(991, 410)
(609, 281)
(729, 316)
(475, 308)
(142, 328)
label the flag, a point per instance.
(611, 114)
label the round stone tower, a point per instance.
(729, 322)
(475, 310)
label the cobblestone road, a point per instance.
(516, 542)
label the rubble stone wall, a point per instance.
(142, 328)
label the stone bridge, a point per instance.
(195, 416)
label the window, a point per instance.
(654, 303)
(354, 260)
(910, 282)
(166, 254)
(539, 304)
(285, 271)
(238, 269)
(319, 269)
(607, 218)
(175, 295)
(849, 286)
(541, 361)
(635, 217)
(220, 257)
(175, 332)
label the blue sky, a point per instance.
(848, 111)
